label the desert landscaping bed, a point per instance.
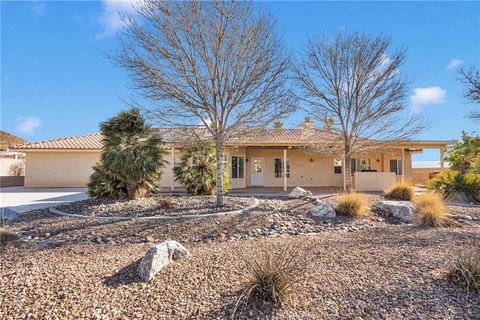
(155, 206)
(360, 268)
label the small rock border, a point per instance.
(176, 217)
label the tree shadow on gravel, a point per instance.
(125, 276)
(243, 311)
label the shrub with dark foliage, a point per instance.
(131, 160)
(197, 170)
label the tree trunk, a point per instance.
(348, 166)
(348, 173)
(219, 155)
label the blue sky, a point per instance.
(56, 81)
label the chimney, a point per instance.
(308, 128)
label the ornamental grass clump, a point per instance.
(400, 191)
(465, 269)
(270, 275)
(431, 210)
(352, 204)
(7, 236)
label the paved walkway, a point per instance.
(20, 199)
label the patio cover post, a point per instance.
(173, 167)
(442, 161)
(403, 165)
(284, 169)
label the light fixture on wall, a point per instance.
(311, 160)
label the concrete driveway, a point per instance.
(20, 199)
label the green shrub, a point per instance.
(197, 170)
(400, 191)
(131, 160)
(465, 270)
(352, 204)
(454, 185)
(431, 210)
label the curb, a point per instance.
(179, 217)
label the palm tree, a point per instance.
(197, 169)
(131, 161)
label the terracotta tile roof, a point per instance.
(175, 135)
(83, 142)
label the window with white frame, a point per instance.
(279, 168)
(337, 166)
(238, 165)
(396, 166)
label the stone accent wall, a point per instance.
(422, 175)
(11, 181)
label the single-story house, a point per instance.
(267, 158)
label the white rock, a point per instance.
(159, 256)
(323, 210)
(298, 192)
(401, 210)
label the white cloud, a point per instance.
(27, 125)
(428, 95)
(38, 8)
(111, 16)
(454, 63)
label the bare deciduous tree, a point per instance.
(218, 64)
(354, 80)
(471, 79)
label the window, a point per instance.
(337, 166)
(358, 165)
(237, 167)
(396, 166)
(279, 168)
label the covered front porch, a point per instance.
(263, 168)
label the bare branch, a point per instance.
(356, 81)
(220, 65)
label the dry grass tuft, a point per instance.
(352, 204)
(400, 191)
(465, 270)
(270, 273)
(6, 237)
(431, 210)
(164, 202)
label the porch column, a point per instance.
(442, 162)
(403, 164)
(284, 169)
(172, 187)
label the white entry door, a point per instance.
(258, 172)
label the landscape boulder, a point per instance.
(400, 210)
(159, 256)
(325, 210)
(298, 192)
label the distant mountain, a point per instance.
(7, 139)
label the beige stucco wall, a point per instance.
(73, 169)
(374, 181)
(422, 175)
(303, 172)
(59, 169)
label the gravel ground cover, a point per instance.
(368, 268)
(154, 206)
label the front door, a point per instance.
(258, 172)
